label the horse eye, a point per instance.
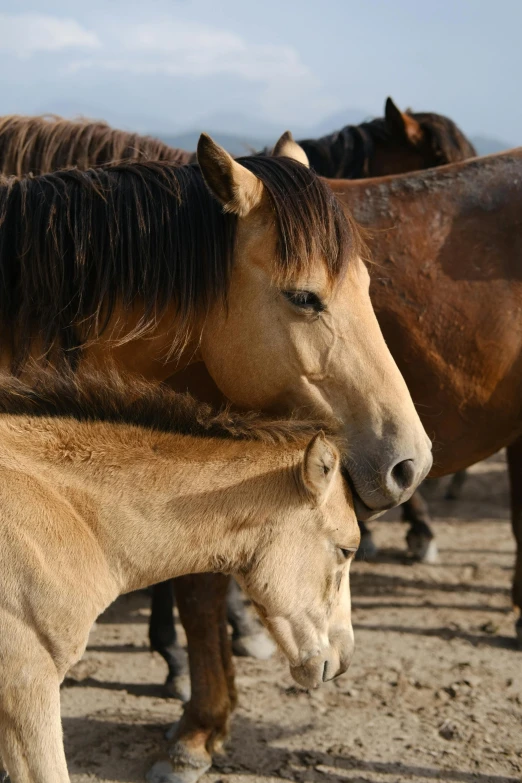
(305, 300)
(347, 553)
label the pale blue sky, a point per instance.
(168, 65)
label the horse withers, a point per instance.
(144, 484)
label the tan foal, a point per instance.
(108, 487)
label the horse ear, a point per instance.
(320, 466)
(402, 123)
(287, 147)
(232, 184)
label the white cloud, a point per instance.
(190, 49)
(185, 49)
(25, 34)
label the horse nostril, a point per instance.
(325, 672)
(403, 473)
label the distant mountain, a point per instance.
(240, 134)
(234, 124)
(240, 144)
(332, 123)
(487, 145)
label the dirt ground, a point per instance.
(434, 691)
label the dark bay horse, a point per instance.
(394, 144)
(447, 289)
(234, 270)
(397, 143)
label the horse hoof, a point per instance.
(257, 645)
(367, 549)
(178, 687)
(423, 549)
(187, 763)
(168, 772)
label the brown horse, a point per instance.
(144, 484)
(47, 143)
(140, 262)
(447, 288)
(394, 144)
(398, 143)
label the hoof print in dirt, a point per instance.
(258, 646)
(449, 731)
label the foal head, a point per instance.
(298, 577)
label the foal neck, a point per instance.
(166, 504)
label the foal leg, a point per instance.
(163, 639)
(31, 743)
(514, 459)
(420, 539)
(204, 724)
(249, 638)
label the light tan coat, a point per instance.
(90, 510)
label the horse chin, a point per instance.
(364, 513)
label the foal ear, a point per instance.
(402, 123)
(320, 466)
(287, 147)
(232, 184)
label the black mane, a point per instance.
(124, 398)
(74, 244)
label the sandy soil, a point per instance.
(434, 692)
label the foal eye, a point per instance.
(305, 300)
(346, 553)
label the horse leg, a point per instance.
(420, 539)
(163, 639)
(204, 724)
(367, 548)
(249, 638)
(514, 460)
(31, 743)
(455, 486)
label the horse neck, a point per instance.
(166, 504)
(149, 355)
(339, 154)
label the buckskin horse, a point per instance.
(145, 484)
(237, 270)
